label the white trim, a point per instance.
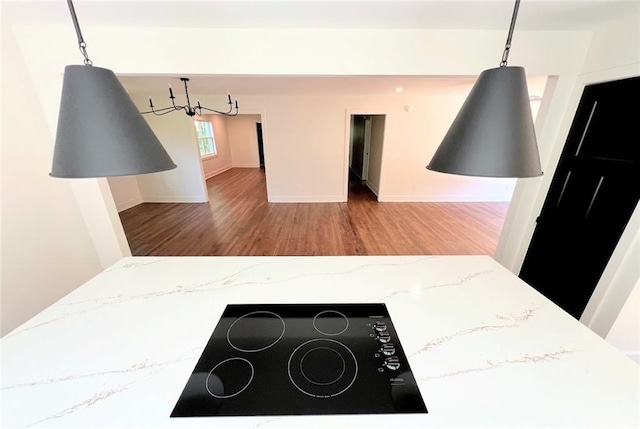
(442, 199)
(173, 199)
(307, 199)
(131, 202)
(210, 174)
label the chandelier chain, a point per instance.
(507, 46)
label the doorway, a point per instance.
(592, 196)
(366, 141)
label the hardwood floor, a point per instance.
(238, 221)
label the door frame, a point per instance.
(347, 148)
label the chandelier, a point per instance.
(188, 109)
(101, 132)
(493, 134)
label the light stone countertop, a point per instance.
(487, 350)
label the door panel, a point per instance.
(592, 195)
(357, 144)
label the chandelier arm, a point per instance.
(156, 111)
(168, 111)
(507, 46)
(215, 111)
(164, 110)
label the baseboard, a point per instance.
(442, 199)
(373, 187)
(173, 199)
(246, 165)
(307, 199)
(131, 202)
(218, 171)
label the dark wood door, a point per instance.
(593, 193)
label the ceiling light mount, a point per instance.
(188, 108)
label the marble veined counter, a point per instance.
(487, 350)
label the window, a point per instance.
(206, 142)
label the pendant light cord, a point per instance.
(507, 46)
(81, 43)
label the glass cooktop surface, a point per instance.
(301, 359)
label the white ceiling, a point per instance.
(398, 14)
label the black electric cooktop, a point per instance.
(294, 359)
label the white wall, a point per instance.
(177, 134)
(47, 249)
(125, 191)
(243, 138)
(375, 153)
(614, 53)
(222, 161)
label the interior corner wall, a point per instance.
(125, 191)
(222, 161)
(47, 249)
(177, 134)
(243, 140)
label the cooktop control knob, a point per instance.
(388, 349)
(380, 326)
(383, 337)
(392, 363)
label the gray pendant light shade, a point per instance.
(100, 131)
(493, 134)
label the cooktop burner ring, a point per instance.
(313, 388)
(324, 331)
(326, 383)
(219, 396)
(263, 347)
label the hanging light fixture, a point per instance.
(191, 110)
(100, 131)
(493, 134)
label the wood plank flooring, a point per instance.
(238, 221)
